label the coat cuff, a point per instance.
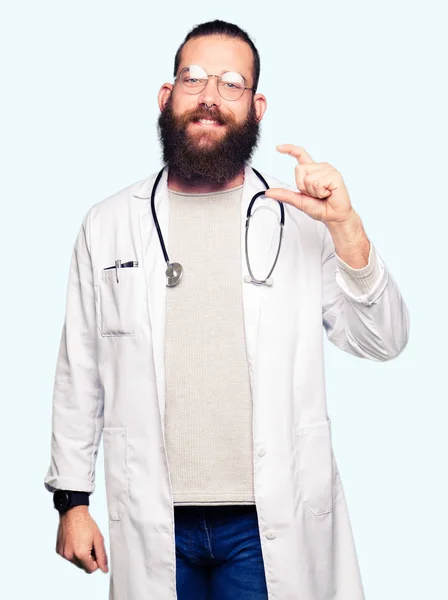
(360, 281)
(68, 483)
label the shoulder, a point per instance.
(119, 199)
(274, 181)
(121, 204)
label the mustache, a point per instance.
(212, 115)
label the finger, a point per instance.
(100, 553)
(300, 171)
(320, 191)
(320, 183)
(297, 152)
(85, 561)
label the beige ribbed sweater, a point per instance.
(208, 412)
(208, 416)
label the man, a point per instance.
(206, 385)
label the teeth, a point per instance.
(207, 122)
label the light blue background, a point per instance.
(360, 85)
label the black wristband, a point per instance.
(65, 499)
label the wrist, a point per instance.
(349, 229)
(351, 243)
(75, 510)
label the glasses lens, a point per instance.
(231, 86)
(193, 79)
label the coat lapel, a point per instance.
(262, 228)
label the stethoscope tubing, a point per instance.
(248, 217)
(156, 221)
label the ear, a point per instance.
(164, 93)
(261, 105)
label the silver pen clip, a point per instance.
(117, 266)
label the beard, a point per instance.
(202, 156)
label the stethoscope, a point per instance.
(175, 270)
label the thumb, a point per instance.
(304, 202)
(99, 553)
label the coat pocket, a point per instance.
(121, 304)
(314, 463)
(115, 448)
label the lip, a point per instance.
(196, 122)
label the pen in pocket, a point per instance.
(118, 264)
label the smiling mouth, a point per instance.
(207, 123)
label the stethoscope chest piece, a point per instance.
(173, 274)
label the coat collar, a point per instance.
(263, 232)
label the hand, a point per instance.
(323, 195)
(80, 541)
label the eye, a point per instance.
(232, 81)
(232, 86)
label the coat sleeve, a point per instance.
(362, 309)
(77, 410)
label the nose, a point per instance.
(210, 94)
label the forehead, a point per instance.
(217, 54)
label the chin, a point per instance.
(205, 138)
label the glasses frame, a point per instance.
(219, 78)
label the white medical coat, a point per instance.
(110, 385)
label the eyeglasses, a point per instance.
(194, 78)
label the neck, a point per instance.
(179, 184)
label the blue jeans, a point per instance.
(218, 553)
